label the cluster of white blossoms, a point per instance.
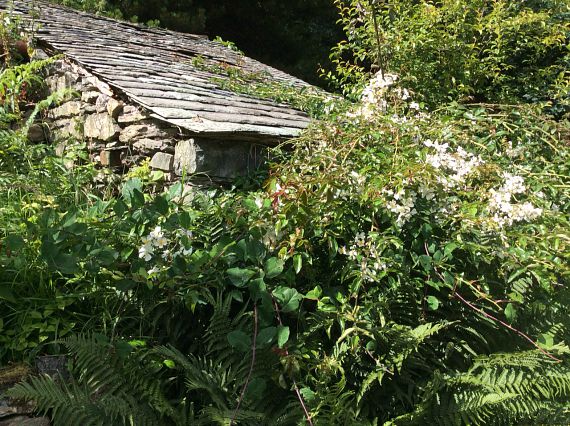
(501, 205)
(156, 243)
(402, 203)
(513, 152)
(373, 96)
(365, 250)
(456, 165)
(155, 239)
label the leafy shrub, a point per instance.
(400, 265)
(498, 51)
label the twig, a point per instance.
(299, 396)
(253, 350)
(504, 324)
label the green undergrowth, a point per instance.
(398, 265)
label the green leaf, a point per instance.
(308, 394)
(449, 249)
(256, 388)
(315, 293)
(282, 335)
(123, 349)
(266, 336)
(129, 187)
(185, 220)
(256, 288)
(239, 340)
(273, 267)
(511, 312)
(250, 204)
(161, 204)
(433, 303)
(288, 298)
(169, 363)
(65, 263)
(105, 256)
(546, 340)
(239, 276)
(137, 199)
(120, 208)
(425, 261)
(297, 263)
(175, 190)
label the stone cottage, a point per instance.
(153, 93)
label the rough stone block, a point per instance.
(147, 130)
(131, 114)
(114, 107)
(90, 96)
(62, 81)
(188, 157)
(110, 158)
(225, 160)
(147, 146)
(38, 133)
(162, 161)
(101, 126)
(69, 127)
(25, 421)
(101, 102)
(68, 109)
(60, 149)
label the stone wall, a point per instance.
(120, 135)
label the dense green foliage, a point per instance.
(397, 265)
(486, 51)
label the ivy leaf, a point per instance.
(239, 276)
(288, 298)
(239, 340)
(282, 335)
(273, 267)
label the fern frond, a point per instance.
(498, 389)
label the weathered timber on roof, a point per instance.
(154, 68)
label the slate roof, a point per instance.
(154, 68)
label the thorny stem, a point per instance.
(253, 350)
(504, 324)
(492, 318)
(299, 396)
